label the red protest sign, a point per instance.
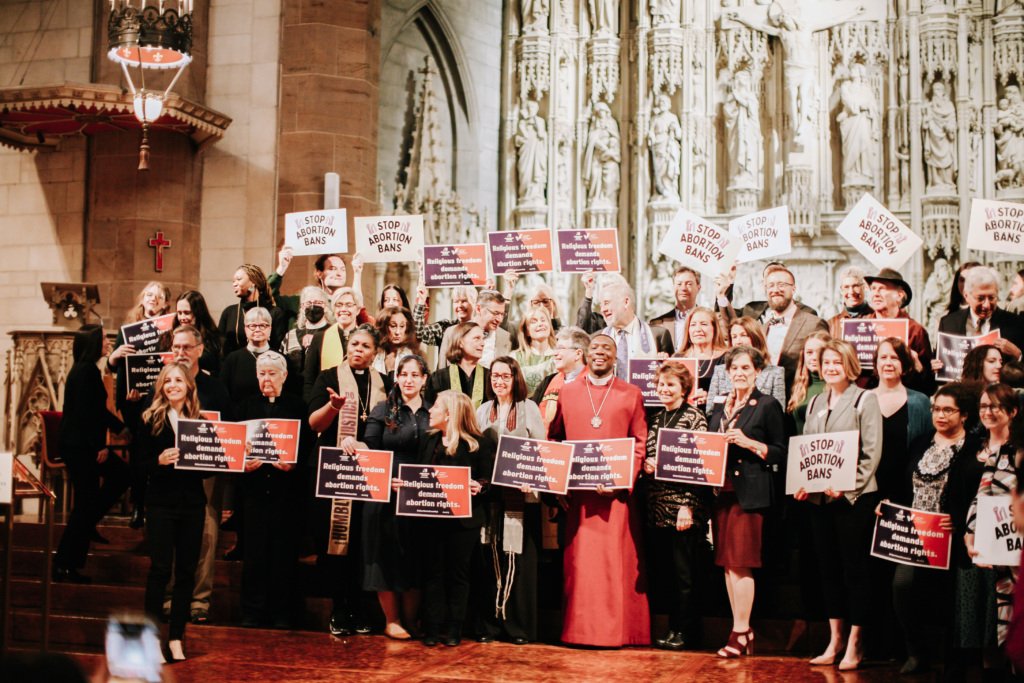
(210, 446)
(609, 462)
(541, 465)
(273, 440)
(364, 475)
(520, 251)
(688, 457)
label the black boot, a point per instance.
(138, 519)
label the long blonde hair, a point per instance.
(156, 414)
(462, 425)
(524, 329)
(138, 311)
(802, 380)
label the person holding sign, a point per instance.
(755, 430)
(904, 413)
(328, 347)
(463, 305)
(997, 409)
(152, 302)
(339, 411)
(686, 287)
(677, 516)
(890, 295)
(938, 463)
(604, 600)
(448, 544)
(843, 520)
(704, 340)
(272, 503)
(82, 441)
(463, 370)
(249, 285)
(770, 381)
(176, 502)
(983, 315)
(633, 337)
(516, 532)
(391, 544)
(852, 288)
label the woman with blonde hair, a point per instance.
(454, 440)
(153, 300)
(536, 352)
(703, 340)
(771, 381)
(177, 502)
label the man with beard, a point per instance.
(604, 596)
(786, 324)
(852, 287)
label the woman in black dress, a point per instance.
(391, 544)
(191, 309)
(704, 340)
(448, 543)
(238, 373)
(82, 442)
(272, 502)
(176, 502)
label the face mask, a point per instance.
(315, 314)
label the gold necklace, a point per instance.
(596, 421)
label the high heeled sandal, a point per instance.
(734, 648)
(825, 660)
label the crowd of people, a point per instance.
(386, 375)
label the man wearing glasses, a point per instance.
(983, 315)
(489, 312)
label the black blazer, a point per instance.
(480, 462)
(753, 478)
(1010, 325)
(169, 487)
(84, 424)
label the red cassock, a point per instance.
(605, 600)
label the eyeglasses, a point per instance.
(184, 347)
(539, 302)
(503, 376)
(990, 407)
(256, 326)
(350, 304)
(944, 412)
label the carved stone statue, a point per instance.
(604, 16)
(664, 140)
(664, 12)
(601, 158)
(858, 128)
(936, 293)
(531, 140)
(534, 15)
(1009, 132)
(742, 130)
(938, 126)
(795, 27)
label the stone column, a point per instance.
(330, 78)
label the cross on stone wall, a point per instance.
(159, 243)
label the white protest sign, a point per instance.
(878, 235)
(996, 226)
(818, 462)
(316, 232)
(700, 244)
(383, 239)
(762, 235)
(995, 535)
(6, 478)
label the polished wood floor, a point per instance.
(236, 655)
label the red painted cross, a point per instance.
(160, 244)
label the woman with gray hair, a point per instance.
(272, 500)
(238, 372)
(314, 315)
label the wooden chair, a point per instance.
(51, 462)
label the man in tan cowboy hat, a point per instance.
(889, 296)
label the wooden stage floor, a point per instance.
(236, 655)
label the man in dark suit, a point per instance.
(786, 325)
(686, 284)
(982, 315)
(633, 337)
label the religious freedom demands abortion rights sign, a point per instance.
(995, 535)
(273, 440)
(822, 461)
(762, 235)
(143, 368)
(700, 244)
(865, 333)
(588, 251)
(951, 349)
(520, 251)
(996, 226)
(385, 239)
(643, 374)
(210, 446)
(878, 235)
(914, 537)
(687, 457)
(145, 334)
(609, 462)
(454, 265)
(542, 465)
(324, 231)
(364, 475)
(434, 491)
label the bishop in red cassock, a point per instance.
(605, 601)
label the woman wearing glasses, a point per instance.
(942, 476)
(238, 372)
(328, 348)
(997, 410)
